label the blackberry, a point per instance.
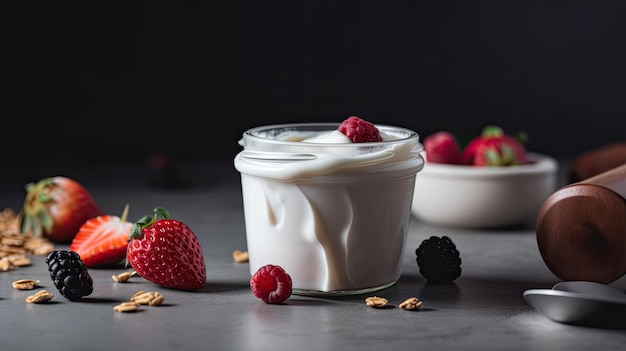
(439, 260)
(69, 274)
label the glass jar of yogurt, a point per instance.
(334, 214)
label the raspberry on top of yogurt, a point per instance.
(351, 130)
(360, 130)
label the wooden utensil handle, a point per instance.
(581, 228)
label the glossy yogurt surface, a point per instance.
(332, 213)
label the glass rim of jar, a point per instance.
(402, 134)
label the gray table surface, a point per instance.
(482, 310)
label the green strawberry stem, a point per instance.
(163, 212)
(146, 221)
(492, 132)
(125, 213)
(35, 217)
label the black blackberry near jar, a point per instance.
(439, 260)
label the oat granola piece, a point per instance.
(240, 256)
(25, 284)
(39, 246)
(411, 304)
(15, 246)
(123, 277)
(42, 296)
(128, 306)
(19, 260)
(5, 264)
(151, 298)
(376, 301)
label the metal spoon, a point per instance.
(579, 302)
(590, 288)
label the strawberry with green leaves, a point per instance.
(103, 240)
(56, 207)
(166, 252)
(494, 148)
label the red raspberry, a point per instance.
(442, 147)
(271, 284)
(359, 130)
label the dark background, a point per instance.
(108, 82)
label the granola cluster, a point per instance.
(17, 247)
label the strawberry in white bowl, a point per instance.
(496, 183)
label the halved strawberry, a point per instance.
(103, 240)
(56, 207)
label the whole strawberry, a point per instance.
(166, 252)
(56, 207)
(494, 148)
(360, 130)
(442, 147)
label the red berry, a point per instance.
(442, 147)
(166, 252)
(494, 148)
(271, 284)
(359, 130)
(56, 207)
(103, 240)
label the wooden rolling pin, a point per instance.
(599, 160)
(581, 228)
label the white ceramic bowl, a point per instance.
(483, 197)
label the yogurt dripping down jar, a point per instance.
(334, 214)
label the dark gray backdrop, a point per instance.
(99, 82)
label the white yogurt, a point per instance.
(332, 213)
